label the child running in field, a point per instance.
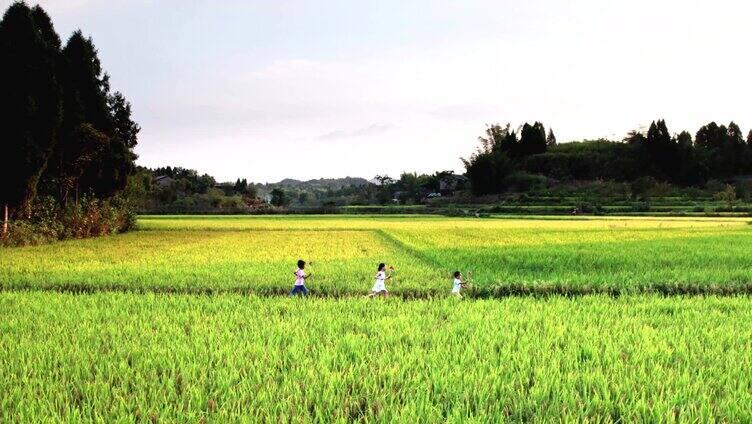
(458, 284)
(300, 278)
(379, 286)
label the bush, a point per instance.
(88, 218)
(454, 211)
(641, 207)
(588, 207)
(522, 181)
(23, 233)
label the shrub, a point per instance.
(588, 207)
(522, 181)
(643, 206)
(89, 217)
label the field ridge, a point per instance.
(493, 291)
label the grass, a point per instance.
(508, 256)
(177, 358)
(121, 329)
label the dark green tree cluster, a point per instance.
(65, 133)
(501, 150)
(411, 187)
(242, 188)
(279, 197)
(187, 180)
(717, 152)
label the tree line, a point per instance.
(715, 152)
(65, 134)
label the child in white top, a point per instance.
(379, 286)
(458, 284)
(300, 278)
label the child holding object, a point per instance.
(458, 284)
(300, 278)
(379, 286)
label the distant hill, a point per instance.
(321, 183)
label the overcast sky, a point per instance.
(304, 89)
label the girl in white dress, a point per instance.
(379, 286)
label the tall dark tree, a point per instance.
(532, 139)
(116, 160)
(684, 138)
(749, 138)
(124, 128)
(551, 138)
(722, 148)
(489, 167)
(658, 134)
(662, 149)
(690, 171)
(500, 138)
(734, 151)
(46, 28)
(735, 136)
(241, 186)
(710, 136)
(635, 137)
(30, 105)
(91, 143)
(89, 105)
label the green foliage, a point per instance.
(524, 182)
(131, 357)
(532, 139)
(63, 132)
(727, 195)
(90, 217)
(589, 160)
(550, 138)
(717, 152)
(279, 198)
(30, 103)
(488, 168)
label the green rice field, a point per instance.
(566, 320)
(180, 358)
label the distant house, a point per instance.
(267, 198)
(164, 181)
(450, 183)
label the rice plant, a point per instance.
(180, 358)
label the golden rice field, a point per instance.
(507, 256)
(566, 320)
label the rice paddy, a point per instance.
(600, 320)
(181, 358)
(256, 255)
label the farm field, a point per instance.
(180, 322)
(185, 358)
(256, 255)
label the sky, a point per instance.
(275, 89)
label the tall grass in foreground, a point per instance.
(118, 357)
